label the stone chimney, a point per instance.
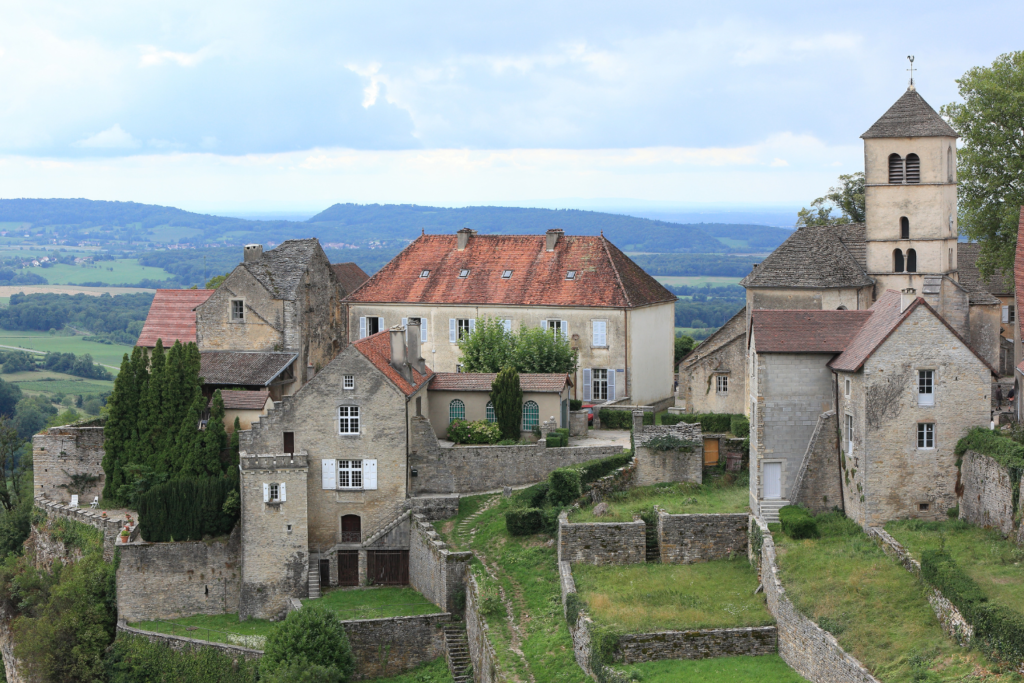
(464, 236)
(551, 238)
(415, 354)
(907, 298)
(252, 252)
(398, 361)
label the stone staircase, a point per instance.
(770, 509)
(456, 653)
(314, 577)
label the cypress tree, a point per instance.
(152, 444)
(233, 463)
(215, 437)
(117, 429)
(190, 451)
(139, 427)
(507, 397)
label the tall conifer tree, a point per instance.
(507, 397)
(190, 448)
(215, 437)
(152, 444)
(117, 430)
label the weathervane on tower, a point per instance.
(911, 70)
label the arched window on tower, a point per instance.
(913, 169)
(911, 261)
(904, 228)
(897, 261)
(949, 163)
(895, 169)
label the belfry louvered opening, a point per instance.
(895, 169)
(913, 169)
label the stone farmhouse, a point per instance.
(619, 318)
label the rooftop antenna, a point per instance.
(911, 70)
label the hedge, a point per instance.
(592, 470)
(615, 419)
(714, 423)
(565, 486)
(558, 438)
(575, 404)
(133, 658)
(187, 509)
(740, 426)
(525, 521)
(478, 432)
(1006, 452)
(797, 522)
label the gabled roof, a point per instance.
(172, 316)
(243, 368)
(604, 276)
(733, 329)
(349, 276)
(1018, 272)
(816, 257)
(979, 289)
(280, 269)
(482, 381)
(244, 400)
(803, 331)
(377, 349)
(910, 117)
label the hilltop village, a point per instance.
(865, 356)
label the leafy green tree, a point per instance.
(683, 346)
(311, 636)
(990, 162)
(541, 350)
(488, 348)
(848, 197)
(507, 397)
(216, 281)
(11, 474)
(10, 394)
(190, 449)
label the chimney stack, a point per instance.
(907, 298)
(415, 359)
(398, 361)
(551, 238)
(464, 236)
(252, 252)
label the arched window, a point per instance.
(913, 169)
(895, 169)
(949, 164)
(842, 308)
(456, 410)
(351, 529)
(911, 261)
(531, 416)
(897, 261)
(904, 228)
(490, 412)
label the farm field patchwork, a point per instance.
(108, 355)
(118, 272)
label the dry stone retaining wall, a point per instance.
(179, 643)
(656, 466)
(387, 647)
(988, 493)
(721, 642)
(481, 651)
(683, 539)
(436, 572)
(601, 543)
(111, 528)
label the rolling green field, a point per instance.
(696, 280)
(119, 272)
(74, 385)
(108, 355)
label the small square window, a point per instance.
(349, 382)
(348, 419)
(570, 275)
(237, 309)
(289, 528)
(922, 507)
(424, 273)
(926, 435)
(275, 492)
(464, 272)
(506, 274)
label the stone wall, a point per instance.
(436, 572)
(181, 579)
(481, 651)
(111, 528)
(818, 481)
(657, 466)
(600, 543)
(63, 451)
(436, 507)
(179, 643)
(388, 647)
(719, 642)
(580, 629)
(684, 539)
(988, 493)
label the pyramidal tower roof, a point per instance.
(910, 117)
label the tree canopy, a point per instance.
(491, 348)
(847, 197)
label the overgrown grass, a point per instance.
(643, 598)
(717, 670)
(876, 609)
(214, 628)
(988, 558)
(375, 603)
(727, 494)
(435, 671)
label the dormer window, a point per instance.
(464, 272)
(571, 275)
(506, 274)
(424, 273)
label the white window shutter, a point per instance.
(370, 475)
(472, 325)
(611, 385)
(380, 324)
(1006, 314)
(451, 331)
(507, 324)
(283, 496)
(405, 322)
(329, 473)
(266, 493)
(362, 327)
(586, 384)
(423, 330)
(565, 328)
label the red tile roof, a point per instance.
(795, 331)
(604, 275)
(1018, 272)
(482, 381)
(349, 275)
(172, 316)
(377, 349)
(244, 400)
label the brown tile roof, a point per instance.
(803, 331)
(979, 289)
(377, 349)
(821, 256)
(482, 381)
(172, 316)
(243, 368)
(1018, 273)
(244, 400)
(910, 117)
(604, 275)
(349, 276)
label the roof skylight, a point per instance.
(506, 274)
(464, 272)
(424, 273)
(570, 275)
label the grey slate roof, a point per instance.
(280, 269)
(910, 117)
(733, 329)
(979, 290)
(243, 368)
(825, 256)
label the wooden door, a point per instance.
(351, 529)
(348, 567)
(325, 573)
(710, 452)
(388, 567)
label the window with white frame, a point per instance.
(348, 419)
(237, 310)
(531, 415)
(1009, 314)
(350, 474)
(464, 272)
(507, 324)
(600, 380)
(463, 327)
(275, 493)
(721, 384)
(847, 392)
(925, 387)
(558, 326)
(849, 434)
(456, 410)
(926, 435)
(600, 332)
(570, 275)
(349, 382)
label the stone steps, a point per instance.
(770, 509)
(457, 653)
(314, 579)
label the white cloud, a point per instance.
(114, 137)
(372, 89)
(153, 56)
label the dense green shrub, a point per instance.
(566, 486)
(615, 419)
(311, 636)
(525, 521)
(187, 509)
(573, 606)
(575, 404)
(479, 432)
(558, 438)
(533, 496)
(1001, 449)
(133, 659)
(739, 426)
(714, 423)
(648, 419)
(797, 522)
(592, 470)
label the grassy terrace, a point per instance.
(431, 672)
(728, 494)
(989, 559)
(876, 609)
(643, 598)
(718, 670)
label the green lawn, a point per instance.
(375, 603)
(875, 608)
(697, 280)
(643, 598)
(118, 272)
(718, 670)
(215, 628)
(674, 498)
(105, 354)
(989, 559)
(431, 672)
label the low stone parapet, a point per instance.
(111, 528)
(698, 644)
(601, 543)
(180, 643)
(684, 539)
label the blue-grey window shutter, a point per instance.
(451, 331)
(586, 384)
(362, 327)
(611, 385)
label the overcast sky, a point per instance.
(297, 105)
